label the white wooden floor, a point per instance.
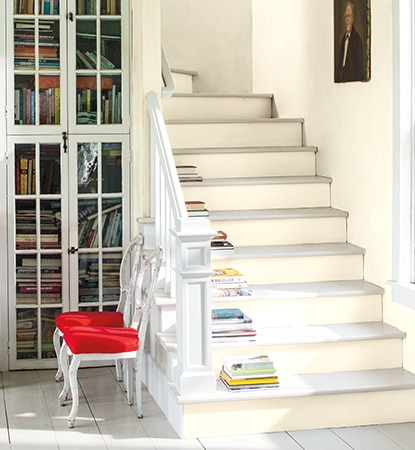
(30, 418)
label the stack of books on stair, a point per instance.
(220, 244)
(248, 372)
(188, 173)
(196, 208)
(230, 323)
(229, 282)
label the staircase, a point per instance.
(316, 316)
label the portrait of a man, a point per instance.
(352, 40)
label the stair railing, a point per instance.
(186, 245)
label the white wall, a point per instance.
(213, 38)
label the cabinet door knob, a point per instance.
(70, 16)
(72, 250)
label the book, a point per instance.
(249, 374)
(195, 205)
(227, 313)
(244, 363)
(186, 170)
(227, 275)
(229, 290)
(266, 379)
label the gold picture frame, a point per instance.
(352, 41)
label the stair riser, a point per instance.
(206, 108)
(315, 311)
(296, 269)
(323, 357)
(265, 134)
(259, 164)
(283, 231)
(243, 197)
(310, 412)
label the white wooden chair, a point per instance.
(119, 318)
(98, 343)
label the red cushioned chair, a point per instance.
(98, 343)
(119, 318)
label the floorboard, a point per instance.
(30, 417)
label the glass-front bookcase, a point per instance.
(68, 165)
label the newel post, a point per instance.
(193, 373)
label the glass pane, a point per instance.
(50, 223)
(51, 279)
(50, 169)
(86, 100)
(49, 100)
(87, 223)
(88, 278)
(111, 167)
(110, 275)
(86, 44)
(25, 224)
(47, 328)
(23, 7)
(110, 44)
(26, 279)
(112, 222)
(25, 169)
(48, 7)
(111, 110)
(112, 7)
(24, 43)
(86, 8)
(87, 167)
(26, 333)
(48, 44)
(24, 100)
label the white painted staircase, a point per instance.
(320, 321)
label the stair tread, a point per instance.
(314, 384)
(258, 180)
(211, 150)
(280, 251)
(312, 334)
(288, 213)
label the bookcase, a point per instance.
(67, 163)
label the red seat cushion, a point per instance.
(90, 319)
(101, 339)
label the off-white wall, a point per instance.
(213, 38)
(351, 123)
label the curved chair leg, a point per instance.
(129, 385)
(73, 382)
(118, 370)
(64, 362)
(57, 346)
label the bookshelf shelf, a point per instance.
(68, 174)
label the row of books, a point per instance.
(111, 106)
(229, 282)
(88, 60)
(231, 323)
(248, 372)
(220, 244)
(108, 7)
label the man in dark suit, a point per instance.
(350, 57)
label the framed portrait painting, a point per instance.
(351, 40)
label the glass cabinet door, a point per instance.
(100, 226)
(99, 64)
(37, 55)
(37, 285)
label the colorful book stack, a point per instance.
(231, 322)
(188, 173)
(196, 208)
(220, 245)
(229, 282)
(248, 372)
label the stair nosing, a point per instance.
(218, 150)
(219, 95)
(232, 121)
(284, 213)
(290, 251)
(307, 179)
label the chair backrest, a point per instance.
(129, 268)
(145, 288)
